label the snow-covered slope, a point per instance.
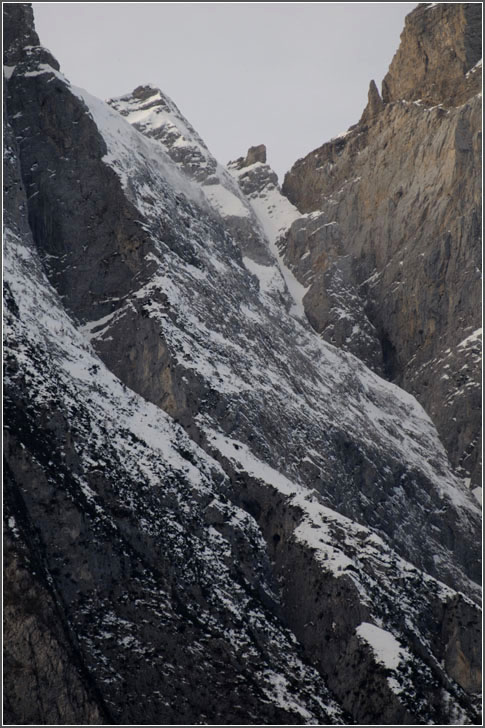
(254, 210)
(156, 116)
(222, 500)
(227, 356)
(138, 490)
(275, 214)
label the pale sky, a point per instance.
(288, 75)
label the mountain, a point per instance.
(211, 514)
(396, 279)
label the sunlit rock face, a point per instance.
(402, 190)
(212, 515)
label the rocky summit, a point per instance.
(242, 422)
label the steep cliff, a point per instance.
(401, 191)
(439, 56)
(219, 518)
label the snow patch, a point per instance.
(475, 337)
(385, 646)
(225, 202)
(269, 276)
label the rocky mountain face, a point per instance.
(212, 515)
(436, 63)
(393, 260)
(155, 115)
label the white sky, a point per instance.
(289, 75)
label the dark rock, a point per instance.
(18, 32)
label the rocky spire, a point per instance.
(374, 104)
(255, 154)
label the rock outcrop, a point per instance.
(255, 154)
(232, 521)
(402, 192)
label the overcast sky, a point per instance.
(289, 75)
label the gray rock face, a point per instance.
(440, 46)
(374, 104)
(232, 516)
(403, 188)
(333, 304)
(256, 154)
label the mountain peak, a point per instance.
(145, 89)
(155, 115)
(143, 97)
(440, 45)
